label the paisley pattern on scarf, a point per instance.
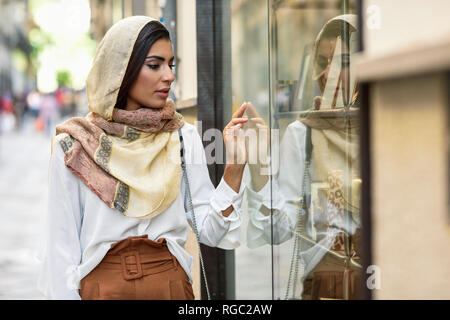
(103, 154)
(122, 197)
(66, 143)
(131, 134)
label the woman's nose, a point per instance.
(168, 75)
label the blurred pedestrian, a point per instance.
(117, 222)
(8, 121)
(34, 102)
(19, 107)
(49, 112)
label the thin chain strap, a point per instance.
(300, 229)
(191, 209)
(301, 216)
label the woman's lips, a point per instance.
(163, 93)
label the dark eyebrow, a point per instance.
(158, 57)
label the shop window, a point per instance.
(302, 231)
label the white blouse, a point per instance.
(80, 228)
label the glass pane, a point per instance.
(307, 206)
(316, 110)
(250, 75)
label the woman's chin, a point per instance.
(154, 105)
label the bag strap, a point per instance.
(191, 209)
(305, 203)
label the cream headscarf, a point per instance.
(110, 63)
(333, 29)
(130, 159)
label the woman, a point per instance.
(117, 222)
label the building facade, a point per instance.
(15, 72)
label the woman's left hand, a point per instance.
(234, 138)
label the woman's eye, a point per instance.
(171, 66)
(153, 66)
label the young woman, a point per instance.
(117, 219)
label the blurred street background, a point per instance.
(45, 54)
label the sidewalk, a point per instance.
(24, 159)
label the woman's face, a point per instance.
(152, 85)
(325, 51)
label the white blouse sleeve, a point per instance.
(259, 228)
(61, 252)
(214, 229)
(284, 198)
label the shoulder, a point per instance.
(295, 132)
(57, 157)
(188, 129)
(57, 152)
(296, 127)
(190, 134)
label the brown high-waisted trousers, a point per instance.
(137, 268)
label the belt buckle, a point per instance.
(126, 274)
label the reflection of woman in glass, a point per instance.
(315, 198)
(117, 219)
(331, 69)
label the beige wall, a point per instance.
(186, 60)
(411, 230)
(406, 55)
(400, 25)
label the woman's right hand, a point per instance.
(258, 148)
(259, 140)
(233, 137)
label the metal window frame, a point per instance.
(448, 146)
(366, 166)
(213, 106)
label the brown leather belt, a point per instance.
(136, 265)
